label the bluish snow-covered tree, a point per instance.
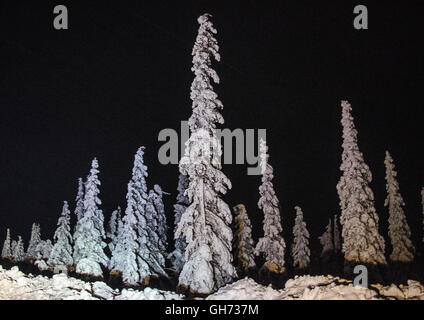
(336, 234)
(361, 239)
(19, 252)
(61, 253)
(177, 256)
(243, 244)
(300, 249)
(135, 254)
(326, 240)
(34, 241)
(43, 250)
(205, 223)
(112, 231)
(272, 244)
(89, 233)
(6, 253)
(399, 231)
(79, 201)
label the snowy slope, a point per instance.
(15, 285)
(317, 288)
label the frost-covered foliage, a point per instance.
(13, 247)
(326, 240)
(272, 244)
(43, 249)
(177, 256)
(112, 231)
(61, 253)
(205, 223)
(135, 254)
(243, 244)
(79, 200)
(7, 250)
(361, 239)
(18, 250)
(89, 233)
(300, 248)
(34, 241)
(156, 219)
(336, 234)
(399, 231)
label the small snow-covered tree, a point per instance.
(112, 231)
(300, 248)
(13, 247)
(361, 239)
(89, 234)
(19, 252)
(79, 201)
(61, 253)
(336, 234)
(177, 256)
(326, 240)
(6, 253)
(399, 231)
(43, 250)
(272, 244)
(205, 223)
(243, 244)
(34, 241)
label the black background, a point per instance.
(121, 73)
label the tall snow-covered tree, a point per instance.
(326, 240)
(243, 244)
(399, 231)
(205, 224)
(112, 231)
(34, 241)
(135, 254)
(336, 234)
(300, 250)
(79, 201)
(61, 253)
(6, 253)
(89, 233)
(272, 244)
(177, 256)
(19, 252)
(361, 239)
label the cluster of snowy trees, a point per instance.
(207, 254)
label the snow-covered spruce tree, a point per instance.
(272, 244)
(34, 241)
(177, 256)
(326, 240)
(135, 254)
(89, 233)
(361, 239)
(399, 231)
(336, 234)
(243, 244)
(300, 249)
(6, 253)
(79, 201)
(112, 230)
(205, 224)
(61, 253)
(19, 252)
(43, 250)
(13, 247)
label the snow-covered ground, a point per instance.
(15, 285)
(317, 288)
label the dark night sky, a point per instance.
(121, 73)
